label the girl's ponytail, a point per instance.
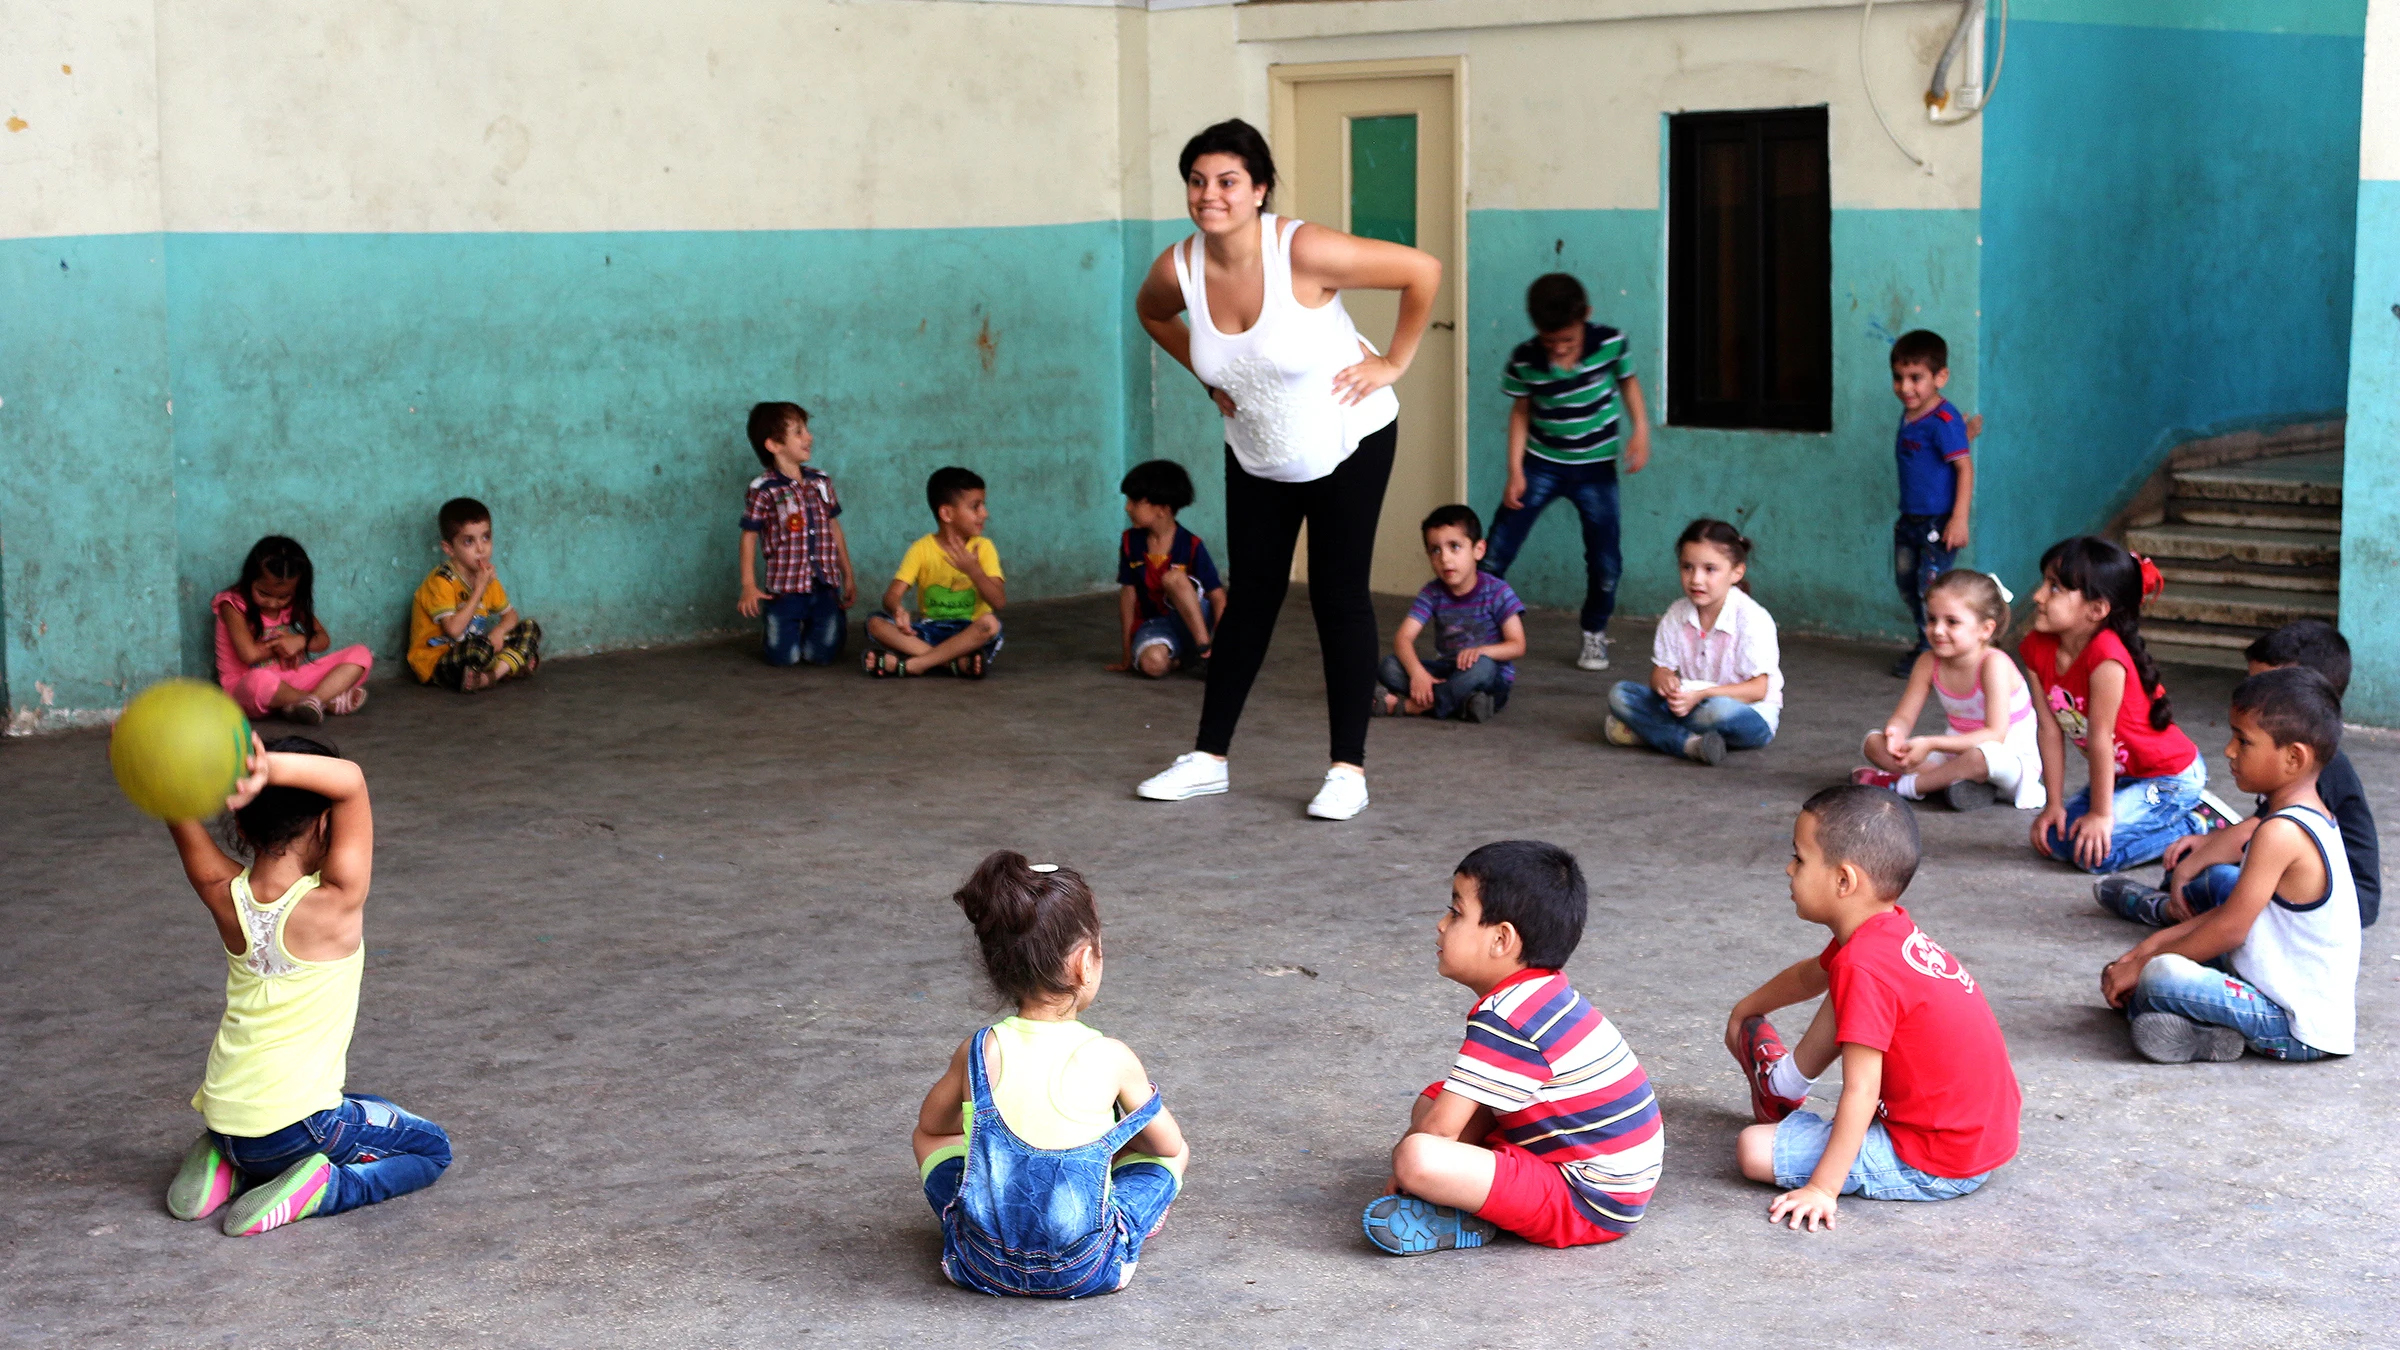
(2099, 569)
(1029, 918)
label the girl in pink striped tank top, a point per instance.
(1982, 758)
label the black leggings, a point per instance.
(1262, 525)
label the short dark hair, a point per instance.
(1028, 922)
(2309, 643)
(1870, 828)
(1555, 300)
(1921, 347)
(1536, 886)
(1455, 515)
(2295, 706)
(772, 422)
(460, 512)
(278, 816)
(948, 484)
(1233, 136)
(1160, 482)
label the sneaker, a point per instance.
(1595, 652)
(1615, 732)
(204, 1182)
(2213, 813)
(1481, 707)
(298, 1193)
(1706, 748)
(2171, 1038)
(1191, 775)
(348, 701)
(308, 712)
(2127, 898)
(1969, 794)
(1761, 1049)
(1868, 776)
(1406, 1226)
(1905, 666)
(1343, 796)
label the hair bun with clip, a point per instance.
(2152, 581)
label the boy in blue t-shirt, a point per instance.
(1168, 595)
(1478, 630)
(1937, 479)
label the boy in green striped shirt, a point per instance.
(1577, 404)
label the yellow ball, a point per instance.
(179, 750)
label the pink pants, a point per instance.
(255, 686)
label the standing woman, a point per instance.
(1310, 425)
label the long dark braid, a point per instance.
(2099, 569)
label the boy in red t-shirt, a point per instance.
(1929, 1102)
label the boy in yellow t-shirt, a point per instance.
(956, 573)
(463, 633)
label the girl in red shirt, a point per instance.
(2096, 681)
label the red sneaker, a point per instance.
(1761, 1047)
(1866, 777)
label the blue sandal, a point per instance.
(1406, 1226)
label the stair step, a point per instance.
(2221, 543)
(2212, 636)
(2311, 479)
(2293, 517)
(2322, 580)
(2240, 606)
(2186, 654)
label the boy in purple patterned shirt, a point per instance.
(1478, 630)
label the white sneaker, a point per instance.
(1595, 652)
(1343, 796)
(1191, 775)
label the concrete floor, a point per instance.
(664, 940)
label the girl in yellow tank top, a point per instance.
(1044, 1149)
(284, 1139)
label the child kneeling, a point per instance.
(1508, 1141)
(1045, 1149)
(1929, 1101)
(1478, 630)
(2274, 968)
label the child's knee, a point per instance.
(1178, 584)
(985, 626)
(1621, 696)
(1754, 1149)
(1413, 1162)
(1156, 660)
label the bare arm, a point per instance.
(455, 622)
(841, 549)
(752, 597)
(1795, 983)
(1129, 611)
(1162, 1138)
(1333, 261)
(1748, 691)
(1898, 728)
(2095, 830)
(1954, 534)
(250, 650)
(2282, 856)
(1159, 306)
(938, 1118)
(1520, 427)
(1510, 646)
(1637, 440)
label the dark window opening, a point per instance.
(1749, 271)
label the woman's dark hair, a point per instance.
(1160, 482)
(283, 559)
(1028, 922)
(1536, 886)
(1232, 137)
(2099, 569)
(279, 816)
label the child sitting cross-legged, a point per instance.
(1168, 593)
(1546, 1127)
(271, 651)
(463, 634)
(2275, 967)
(1044, 1148)
(956, 573)
(1478, 630)
(1716, 669)
(1984, 753)
(1929, 1101)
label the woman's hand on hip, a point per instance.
(1374, 372)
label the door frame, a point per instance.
(1283, 90)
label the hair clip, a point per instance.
(2153, 582)
(2007, 597)
(1043, 867)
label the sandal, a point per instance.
(1386, 704)
(308, 712)
(882, 664)
(348, 701)
(969, 667)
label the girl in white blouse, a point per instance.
(1716, 675)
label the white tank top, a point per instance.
(2305, 956)
(1966, 712)
(1288, 426)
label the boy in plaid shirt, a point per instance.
(792, 516)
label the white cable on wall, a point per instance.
(1866, 14)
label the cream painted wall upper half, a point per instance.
(440, 115)
(79, 125)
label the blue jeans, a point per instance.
(1593, 488)
(2150, 813)
(2213, 994)
(2209, 887)
(1877, 1174)
(806, 627)
(1917, 558)
(1639, 706)
(378, 1151)
(1452, 690)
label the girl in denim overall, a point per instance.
(1044, 1149)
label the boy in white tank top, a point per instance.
(2275, 968)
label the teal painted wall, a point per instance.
(1818, 505)
(87, 509)
(2371, 468)
(2168, 225)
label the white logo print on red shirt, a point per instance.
(1927, 958)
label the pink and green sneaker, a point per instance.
(205, 1181)
(287, 1199)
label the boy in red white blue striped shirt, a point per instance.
(1546, 1126)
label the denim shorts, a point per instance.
(1166, 630)
(1878, 1174)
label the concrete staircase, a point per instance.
(2247, 531)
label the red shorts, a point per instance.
(1532, 1199)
